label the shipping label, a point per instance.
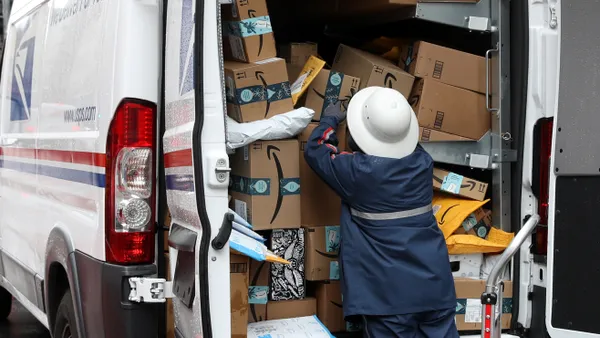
(332, 238)
(452, 183)
(258, 295)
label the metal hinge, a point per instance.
(150, 290)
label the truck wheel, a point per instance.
(5, 303)
(65, 325)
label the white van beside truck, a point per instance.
(113, 110)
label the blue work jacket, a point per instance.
(389, 266)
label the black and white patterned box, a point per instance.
(287, 281)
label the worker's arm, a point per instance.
(323, 156)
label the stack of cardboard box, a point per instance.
(449, 93)
(265, 177)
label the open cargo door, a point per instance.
(573, 226)
(196, 169)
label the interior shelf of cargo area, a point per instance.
(471, 14)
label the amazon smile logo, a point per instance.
(287, 186)
(390, 80)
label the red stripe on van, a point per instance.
(65, 156)
(179, 158)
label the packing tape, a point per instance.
(258, 93)
(249, 27)
(333, 89)
(262, 186)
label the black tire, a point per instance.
(65, 325)
(5, 304)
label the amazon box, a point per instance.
(330, 87)
(362, 7)
(265, 184)
(287, 309)
(322, 253)
(432, 135)
(287, 281)
(257, 91)
(320, 205)
(372, 70)
(468, 304)
(477, 224)
(450, 109)
(296, 54)
(459, 185)
(450, 66)
(239, 295)
(329, 306)
(258, 291)
(247, 31)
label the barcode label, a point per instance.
(426, 135)
(473, 311)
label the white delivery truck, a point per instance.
(112, 110)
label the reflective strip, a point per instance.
(391, 215)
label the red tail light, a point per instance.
(545, 151)
(541, 180)
(130, 191)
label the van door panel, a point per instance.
(192, 68)
(574, 234)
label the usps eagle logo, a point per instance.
(22, 76)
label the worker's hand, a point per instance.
(336, 111)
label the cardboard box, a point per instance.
(258, 291)
(265, 184)
(459, 185)
(466, 266)
(468, 307)
(320, 205)
(450, 66)
(239, 295)
(450, 109)
(247, 32)
(372, 70)
(477, 224)
(322, 253)
(329, 87)
(287, 281)
(292, 308)
(297, 53)
(432, 135)
(329, 306)
(257, 91)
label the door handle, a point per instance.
(224, 232)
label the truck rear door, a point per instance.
(574, 204)
(196, 168)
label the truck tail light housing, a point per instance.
(130, 184)
(541, 178)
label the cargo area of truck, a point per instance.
(386, 33)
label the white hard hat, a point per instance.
(382, 123)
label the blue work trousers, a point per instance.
(431, 324)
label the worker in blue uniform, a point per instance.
(395, 270)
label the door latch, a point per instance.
(222, 170)
(150, 290)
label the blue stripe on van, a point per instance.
(180, 182)
(79, 176)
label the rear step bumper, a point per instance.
(107, 311)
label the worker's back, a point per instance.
(394, 257)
